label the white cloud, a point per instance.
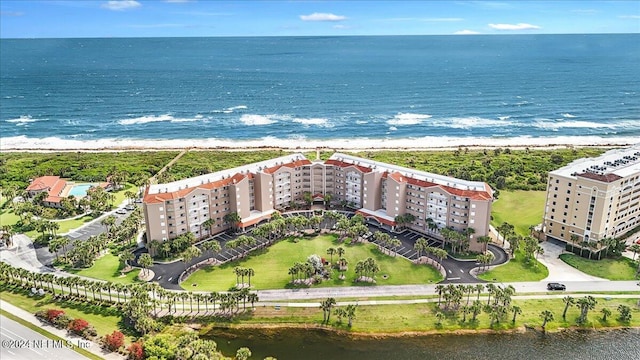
(519, 26)
(629, 16)
(466, 32)
(322, 17)
(177, 1)
(119, 5)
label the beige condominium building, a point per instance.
(378, 191)
(594, 198)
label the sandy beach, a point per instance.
(24, 144)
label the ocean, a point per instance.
(349, 92)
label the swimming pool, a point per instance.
(80, 190)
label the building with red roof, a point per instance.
(378, 191)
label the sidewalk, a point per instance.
(25, 315)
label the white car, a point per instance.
(121, 211)
(130, 207)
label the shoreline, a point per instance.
(348, 145)
(265, 328)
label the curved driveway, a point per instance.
(458, 271)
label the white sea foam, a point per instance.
(22, 120)
(429, 142)
(392, 128)
(567, 115)
(239, 107)
(253, 120)
(159, 118)
(360, 122)
(311, 121)
(555, 125)
(504, 117)
(470, 122)
(408, 119)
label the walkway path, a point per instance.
(558, 269)
(154, 178)
(27, 316)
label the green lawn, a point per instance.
(612, 269)
(104, 319)
(516, 270)
(421, 317)
(519, 208)
(271, 266)
(7, 217)
(108, 268)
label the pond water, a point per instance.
(293, 344)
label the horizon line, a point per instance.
(309, 36)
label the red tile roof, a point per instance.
(291, 165)
(162, 197)
(43, 183)
(472, 194)
(343, 164)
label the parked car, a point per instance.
(138, 201)
(121, 211)
(130, 207)
(556, 286)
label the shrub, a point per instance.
(136, 351)
(62, 321)
(114, 341)
(53, 314)
(78, 326)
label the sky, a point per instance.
(189, 18)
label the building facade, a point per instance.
(378, 191)
(594, 198)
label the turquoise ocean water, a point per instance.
(409, 90)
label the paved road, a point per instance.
(18, 342)
(425, 290)
(93, 228)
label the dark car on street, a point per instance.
(556, 286)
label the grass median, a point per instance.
(621, 268)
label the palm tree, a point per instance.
(585, 304)
(479, 288)
(516, 311)
(574, 239)
(605, 312)
(250, 273)
(439, 318)
(484, 240)
(331, 251)
(350, 313)
(125, 257)
(212, 247)
(440, 289)
(546, 316)
(146, 262)
(568, 301)
(233, 219)
(191, 253)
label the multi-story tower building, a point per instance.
(594, 198)
(378, 191)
